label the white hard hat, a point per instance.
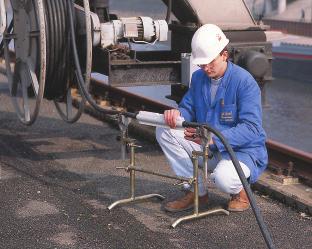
(208, 41)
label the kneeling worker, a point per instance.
(228, 98)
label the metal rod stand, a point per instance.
(194, 181)
(133, 198)
(123, 123)
(196, 214)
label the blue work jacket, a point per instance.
(236, 112)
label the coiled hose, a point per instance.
(58, 56)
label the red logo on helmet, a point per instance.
(219, 37)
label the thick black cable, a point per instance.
(62, 65)
(169, 9)
(49, 32)
(78, 72)
(56, 45)
(57, 49)
(9, 30)
(61, 60)
(264, 230)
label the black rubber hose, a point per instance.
(49, 33)
(63, 65)
(57, 49)
(9, 30)
(264, 230)
(169, 9)
(62, 74)
(54, 81)
(80, 80)
(59, 77)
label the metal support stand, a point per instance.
(131, 169)
(123, 123)
(194, 180)
(205, 138)
(196, 214)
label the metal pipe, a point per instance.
(137, 198)
(169, 9)
(205, 158)
(195, 176)
(199, 215)
(123, 144)
(183, 179)
(123, 140)
(132, 172)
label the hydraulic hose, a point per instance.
(78, 72)
(58, 49)
(264, 230)
(9, 30)
(169, 9)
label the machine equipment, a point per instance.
(38, 48)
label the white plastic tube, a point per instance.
(156, 119)
(2, 17)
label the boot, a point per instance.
(239, 202)
(185, 203)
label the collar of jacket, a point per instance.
(223, 85)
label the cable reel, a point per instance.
(26, 78)
(50, 41)
(38, 35)
(67, 114)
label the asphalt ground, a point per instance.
(57, 180)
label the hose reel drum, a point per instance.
(38, 45)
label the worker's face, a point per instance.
(217, 67)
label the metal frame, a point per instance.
(24, 73)
(196, 214)
(132, 168)
(67, 115)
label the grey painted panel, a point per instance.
(222, 12)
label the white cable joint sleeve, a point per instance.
(2, 17)
(156, 119)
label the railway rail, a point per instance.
(284, 160)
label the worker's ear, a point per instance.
(225, 55)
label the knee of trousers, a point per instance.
(165, 135)
(226, 181)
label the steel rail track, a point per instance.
(283, 159)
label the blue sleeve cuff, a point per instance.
(213, 147)
(217, 145)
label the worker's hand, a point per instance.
(191, 135)
(171, 117)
